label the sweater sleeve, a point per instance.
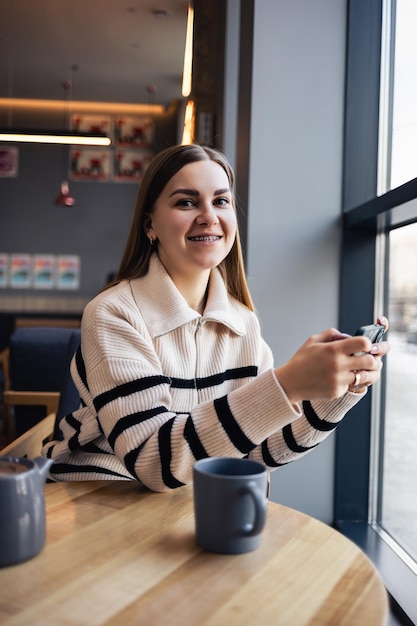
(128, 426)
(317, 421)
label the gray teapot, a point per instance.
(22, 508)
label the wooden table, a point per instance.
(116, 555)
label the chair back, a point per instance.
(69, 399)
(39, 361)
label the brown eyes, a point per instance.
(188, 203)
(185, 203)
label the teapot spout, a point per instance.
(43, 464)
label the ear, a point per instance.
(148, 226)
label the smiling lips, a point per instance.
(206, 239)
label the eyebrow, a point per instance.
(194, 192)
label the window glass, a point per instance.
(399, 485)
(404, 122)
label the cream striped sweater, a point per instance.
(161, 386)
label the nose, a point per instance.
(207, 216)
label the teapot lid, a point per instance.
(11, 466)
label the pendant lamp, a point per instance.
(64, 198)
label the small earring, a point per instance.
(151, 241)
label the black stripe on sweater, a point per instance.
(133, 419)
(291, 441)
(314, 420)
(131, 458)
(133, 386)
(232, 428)
(268, 458)
(79, 361)
(165, 454)
(73, 442)
(190, 435)
(215, 380)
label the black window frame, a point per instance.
(364, 215)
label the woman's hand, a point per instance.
(362, 378)
(326, 366)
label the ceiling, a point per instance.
(110, 50)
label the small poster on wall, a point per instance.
(44, 271)
(90, 164)
(136, 132)
(4, 270)
(81, 123)
(9, 159)
(68, 272)
(21, 271)
(129, 165)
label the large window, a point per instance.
(397, 506)
(394, 502)
(376, 465)
(404, 118)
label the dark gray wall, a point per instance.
(95, 228)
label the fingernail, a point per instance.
(374, 349)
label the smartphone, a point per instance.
(374, 332)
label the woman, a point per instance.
(172, 365)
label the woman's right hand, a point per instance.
(326, 365)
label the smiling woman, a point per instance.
(166, 172)
(194, 225)
(172, 366)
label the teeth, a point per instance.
(204, 238)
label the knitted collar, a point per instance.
(164, 309)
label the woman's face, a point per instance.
(194, 220)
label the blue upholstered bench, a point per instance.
(39, 362)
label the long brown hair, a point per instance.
(138, 251)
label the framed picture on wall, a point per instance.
(129, 165)
(134, 132)
(4, 270)
(21, 271)
(81, 123)
(89, 164)
(44, 271)
(68, 272)
(9, 160)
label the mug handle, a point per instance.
(259, 501)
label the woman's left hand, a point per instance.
(367, 367)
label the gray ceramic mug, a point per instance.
(230, 504)
(22, 509)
